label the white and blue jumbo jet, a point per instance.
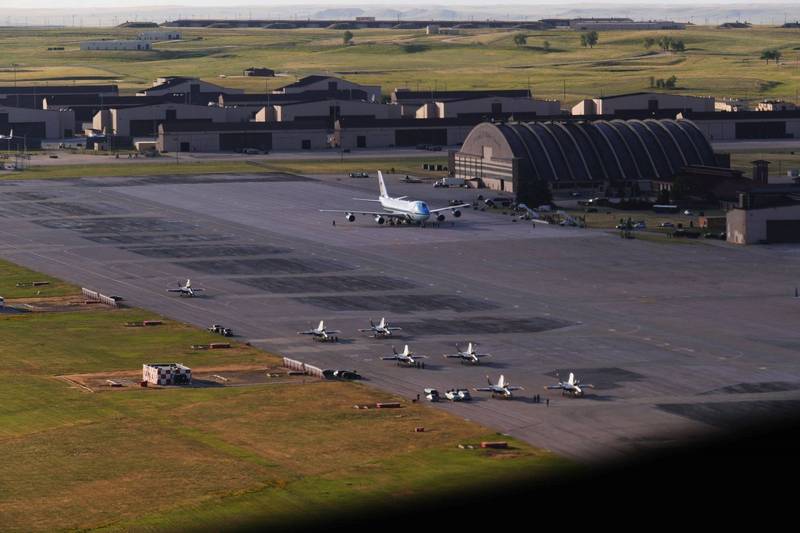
(398, 209)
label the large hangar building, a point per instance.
(516, 157)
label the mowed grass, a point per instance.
(11, 275)
(717, 62)
(171, 167)
(146, 458)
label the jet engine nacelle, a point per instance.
(379, 219)
(440, 217)
(456, 213)
(350, 217)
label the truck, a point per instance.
(450, 182)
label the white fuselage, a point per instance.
(414, 210)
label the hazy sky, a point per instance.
(33, 4)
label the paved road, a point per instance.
(679, 339)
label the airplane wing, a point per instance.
(365, 213)
(366, 199)
(365, 330)
(175, 290)
(389, 358)
(450, 208)
(329, 331)
(394, 329)
(515, 388)
(483, 389)
(453, 356)
(553, 387)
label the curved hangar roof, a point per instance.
(598, 150)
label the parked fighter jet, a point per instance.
(572, 386)
(380, 330)
(398, 209)
(502, 388)
(321, 333)
(407, 357)
(470, 355)
(186, 290)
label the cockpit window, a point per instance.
(422, 208)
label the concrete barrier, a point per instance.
(310, 370)
(94, 296)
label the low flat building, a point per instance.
(747, 125)
(357, 132)
(165, 374)
(330, 110)
(263, 99)
(193, 87)
(330, 83)
(616, 25)
(153, 36)
(189, 136)
(31, 126)
(410, 101)
(766, 215)
(86, 106)
(483, 106)
(32, 96)
(142, 121)
(621, 105)
(116, 45)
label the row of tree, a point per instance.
(666, 43)
(669, 83)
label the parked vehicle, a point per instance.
(450, 182)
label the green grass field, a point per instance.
(717, 62)
(170, 167)
(147, 459)
(11, 275)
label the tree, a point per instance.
(546, 46)
(520, 39)
(771, 54)
(347, 37)
(670, 82)
(649, 42)
(589, 39)
(677, 46)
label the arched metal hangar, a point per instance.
(579, 154)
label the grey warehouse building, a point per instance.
(512, 157)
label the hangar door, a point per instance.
(231, 142)
(761, 130)
(420, 136)
(783, 230)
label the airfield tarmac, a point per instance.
(678, 339)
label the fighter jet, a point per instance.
(186, 290)
(398, 209)
(572, 386)
(321, 333)
(380, 330)
(502, 388)
(470, 355)
(407, 358)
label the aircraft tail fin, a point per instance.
(188, 283)
(470, 348)
(571, 378)
(321, 325)
(382, 185)
(502, 381)
(383, 323)
(406, 351)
